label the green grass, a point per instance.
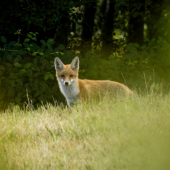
(121, 135)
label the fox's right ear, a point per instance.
(58, 64)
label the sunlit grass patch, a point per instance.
(128, 134)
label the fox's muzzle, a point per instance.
(66, 83)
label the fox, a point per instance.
(75, 89)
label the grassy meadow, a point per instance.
(119, 135)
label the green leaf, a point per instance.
(131, 48)
(3, 39)
(50, 41)
(2, 68)
(34, 47)
(27, 40)
(34, 53)
(55, 88)
(61, 47)
(22, 52)
(22, 72)
(41, 53)
(31, 79)
(137, 45)
(2, 95)
(13, 53)
(135, 61)
(42, 41)
(36, 74)
(13, 75)
(28, 49)
(9, 58)
(61, 53)
(1, 72)
(29, 35)
(17, 65)
(35, 68)
(8, 65)
(2, 103)
(146, 39)
(12, 82)
(19, 94)
(17, 59)
(35, 61)
(19, 82)
(27, 66)
(36, 81)
(43, 46)
(12, 43)
(51, 76)
(26, 44)
(46, 77)
(135, 14)
(11, 92)
(34, 38)
(18, 99)
(37, 94)
(2, 77)
(29, 72)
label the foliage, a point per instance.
(134, 67)
(28, 74)
(63, 22)
(50, 18)
(23, 74)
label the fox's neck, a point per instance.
(70, 92)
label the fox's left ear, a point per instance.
(75, 64)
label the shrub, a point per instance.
(27, 71)
(136, 66)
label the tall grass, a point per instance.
(119, 135)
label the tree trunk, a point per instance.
(136, 21)
(153, 19)
(61, 31)
(107, 28)
(88, 24)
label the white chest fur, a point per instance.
(70, 92)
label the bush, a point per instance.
(27, 71)
(136, 67)
(27, 75)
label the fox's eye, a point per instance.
(71, 75)
(62, 75)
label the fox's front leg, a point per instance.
(72, 102)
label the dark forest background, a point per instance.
(122, 40)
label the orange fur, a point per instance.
(91, 88)
(75, 89)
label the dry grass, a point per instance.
(121, 135)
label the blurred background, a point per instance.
(121, 40)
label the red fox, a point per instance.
(75, 89)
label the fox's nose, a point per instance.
(66, 83)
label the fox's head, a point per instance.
(67, 74)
